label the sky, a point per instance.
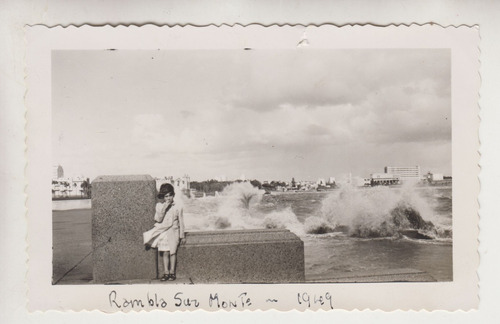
(265, 114)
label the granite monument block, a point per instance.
(123, 207)
(242, 256)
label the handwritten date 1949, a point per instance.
(308, 299)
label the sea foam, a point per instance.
(369, 212)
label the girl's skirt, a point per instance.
(163, 245)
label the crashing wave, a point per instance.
(369, 213)
(378, 212)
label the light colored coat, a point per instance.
(168, 230)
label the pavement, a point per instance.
(390, 275)
(72, 246)
(182, 281)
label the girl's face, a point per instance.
(169, 198)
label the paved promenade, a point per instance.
(72, 246)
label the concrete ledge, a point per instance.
(242, 256)
(123, 207)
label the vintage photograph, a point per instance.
(252, 168)
(221, 166)
(249, 162)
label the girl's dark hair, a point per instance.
(165, 189)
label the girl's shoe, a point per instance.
(165, 277)
(171, 277)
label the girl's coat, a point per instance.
(168, 230)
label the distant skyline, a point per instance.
(267, 114)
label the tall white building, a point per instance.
(57, 172)
(404, 174)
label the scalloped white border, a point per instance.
(462, 293)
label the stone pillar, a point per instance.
(123, 207)
(242, 256)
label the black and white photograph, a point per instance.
(285, 164)
(341, 157)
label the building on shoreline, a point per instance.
(437, 179)
(402, 175)
(383, 179)
(57, 172)
(67, 188)
(394, 175)
(405, 174)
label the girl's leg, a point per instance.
(173, 263)
(166, 262)
(164, 258)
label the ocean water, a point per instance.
(346, 230)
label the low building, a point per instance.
(436, 177)
(433, 177)
(383, 179)
(69, 188)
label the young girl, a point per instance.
(168, 231)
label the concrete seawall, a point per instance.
(242, 256)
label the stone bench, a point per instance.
(242, 256)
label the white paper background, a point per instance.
(15, 14)
(463, 41)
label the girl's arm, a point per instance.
(160, 212)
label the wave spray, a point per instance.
(369, 212)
